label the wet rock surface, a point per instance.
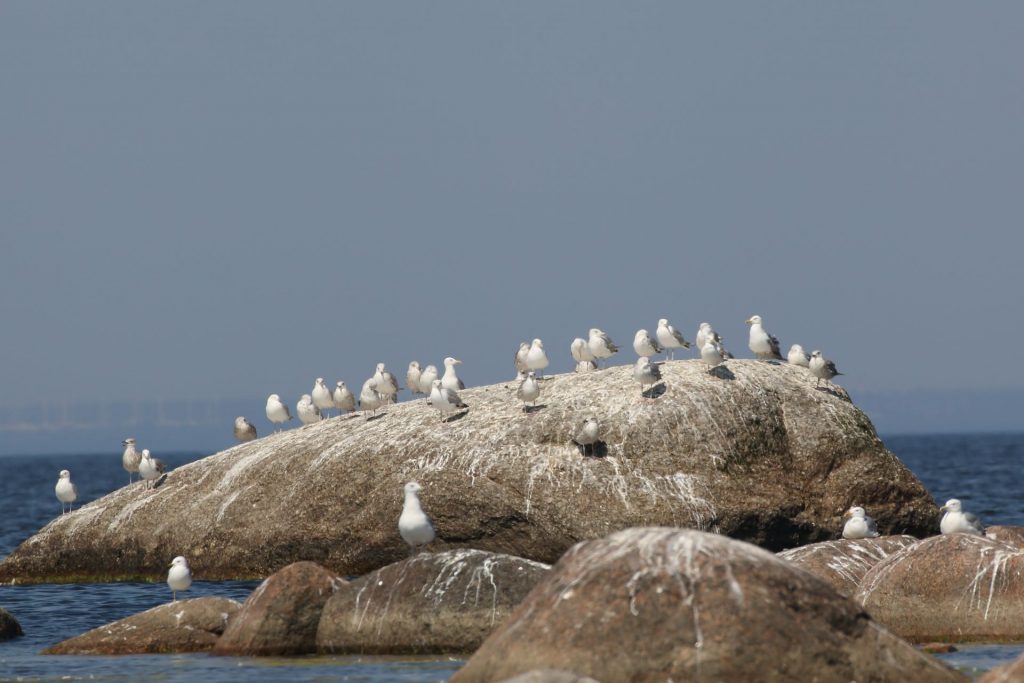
(843, 563)
(9, 626)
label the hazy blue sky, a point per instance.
(229, 199)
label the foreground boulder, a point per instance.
(658, 604)
(192, 625)
(431, 604)
(843, 563)
(756, 452)
(9, 626)
(955, 588)
(281, 616)
(549, 676)
(1008, 673)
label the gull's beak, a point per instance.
(458, 362)
(124, 443)
(750, 321)
(847, 514)
(943, 509)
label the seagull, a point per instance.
(386, 384)
(520, 360)
(66, 491)
(179, 576)
(588, 434)
(413, 524)
(645, 345)
(764, 345)
(306, 410)
(536, 358)
(670, 337)
(277, 412)
(444, 400)
(343, 398)
(427, 378)
(412, 378)
(322, 397)
(529, 390)
(822, 368)
(712, 352)
(646, 372)
(957, 521)
(581, 354)
(450, 380)
(244, 430)
(704, 332)
(600, 344)
(130, 458)
(797, 356)
(859, 525)
(369, 399)
(150, 468)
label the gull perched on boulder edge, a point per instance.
(646, 373)
(150, 468)
(179, 576)
(244, 430)
(601, 345)
(588, 434)
(859, 525)
(450, 380)
(343, 399)
(529, 390)
(764, 345)
(321, 395)
(427, 378)
(797, 356)
(536, 357)
(369, 399)
(277, 412)
(385, 383)
(66, 491)
(444, 400)
(957, 521)
(712, 352)
(412, 378)
(670, 338)
(520, 360)
(131, 458)
(822, 368)
(306, 410)
(580, 351)
(645, 345)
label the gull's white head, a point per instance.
(531, 375)
(855, 511)
(640, 334)
(643, 362)
(523, 345)
(130, 441)
(704, 326)
(380, 367)
(754, 320)
(436, 383)
(306, 398)
(239, 421)
(179, 561)
(815, 354)
(662, 322)
(273, 397)
(319, 381)
(145, 453)
(415, 365)
(538, 342)
(952, 505)
(64, 474)
(595, 332)
(449, 361)
(341, 385)
(429, 369)
(413, 488)
(796, 348)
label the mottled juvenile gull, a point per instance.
(343, 399)
(520, 360)
(179, 576)
(797, 356)
(412, 378)
(130, 458)
(645, 345)
(277, 412)
(859, 525)
(581, 354)
(764, 345)
(529, 389)
(670, 338)
(322, 397)
(712, 352)
(306, 410)
(413, 524)
(957, 521)
(244, 430)
(822, 368)
(450, 380)
(427, 378)
(600, 344)
(444, 400)
(150, 468)
(386, 384)
(369, 398)
(66, 491)
(646, 373)
(588, 434)
(536, 357)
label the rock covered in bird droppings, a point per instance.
(843, 563)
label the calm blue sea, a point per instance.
(984, 471)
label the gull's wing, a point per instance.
(974, 522)
(452, 397)
(678, 336)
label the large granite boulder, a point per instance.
(843, 563)
(1011, 535)
(430, 604)
(954, 588)
(282, 614)
(190, 625)
(657, 604)
(756, 452)
(549, 676)
(9, 626)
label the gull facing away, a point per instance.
(580, 351)
(413, 524)
(646, 373)
(130, 458)
(412, 378)
(588, 434)
(645, 345)
(427, 378)
(343, 399)
(444, 400)
(306, 410)
(322, 397)
(244, 430)
(150, 468)
(957, 521)
(520, 360)
(859, 525)
(797, 356)
(369, 399)
(450, 380)
(670, 338)
(529, 390)
(386, 384)
(179, 577)
(712, 352)
(66, 491)
(536, 357)
(277, 412)
(822, 368)
(764, 345)
(600, 344)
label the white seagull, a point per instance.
(413, 524)
(520, 360)
(600, 344)
(822, 368)
(179, 576)
(704, 332)
(646, 373)
(386, 384)
(670, 337)
(444, 400)
(150, 468)
(529, 390)
(412, 378)
(712, 352)
(322, 397)
(369, 398)
(957, 521)
(306, 410)
(130, 458)
(588, 434)
(645, 345)
(764, 345)
(797, 356)
(536, 357)
(277, 412)
(580, 351)
(427, 378)
(66, 491)
(450, 380)
(859, 525)
(244, 430)
(343, 399)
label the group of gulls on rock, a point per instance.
(954, 521)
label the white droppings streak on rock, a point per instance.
(125, 514)
(990, 574)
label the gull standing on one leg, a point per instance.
(150, 468)
(306, 410)
(580, 351)
(645, 345)
(600, 344)
(859, 525)
(822, 368)
(529, 390)
(343, 399)
(450, 380)
(413, 524)
(179, 577)
(646, 373)
(66, 491)
(277, 412)
(244, 430)
(764, 345)
(412, 378)
(444, 400)
(797, 356)
(130, 458)
(670, 338)
(322, 397)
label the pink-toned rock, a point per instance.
(955, 588)
(550, 676)
(282, 615)
(1008, 673)
(657, 604)
(844, 562)
(1011, 535)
